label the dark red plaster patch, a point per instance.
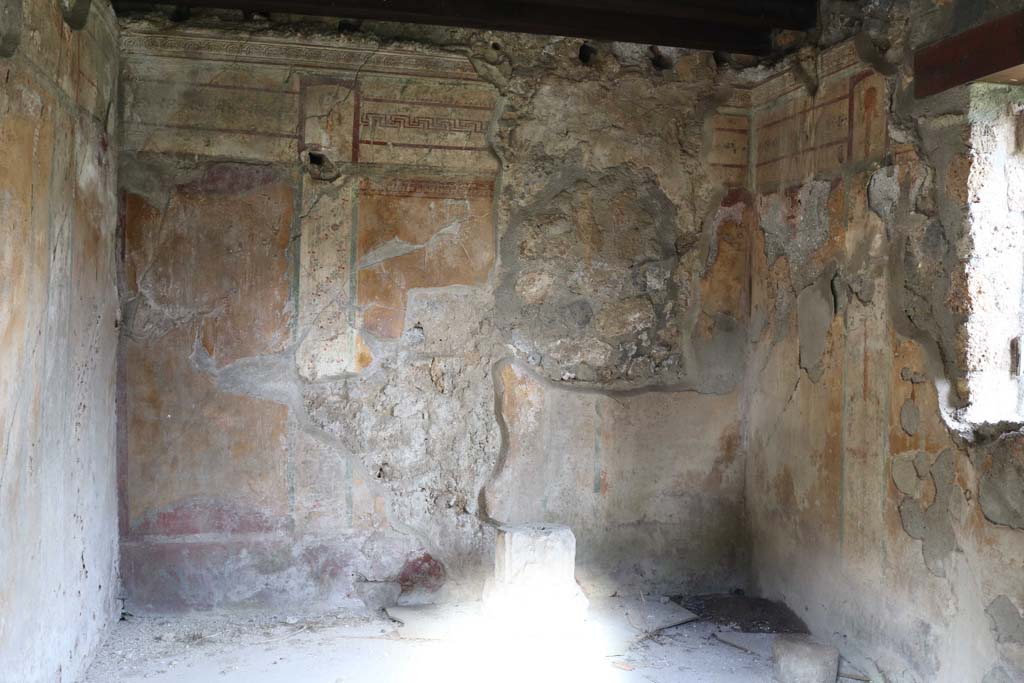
(422, 572)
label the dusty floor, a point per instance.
(238, 648)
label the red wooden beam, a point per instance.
(969, 56)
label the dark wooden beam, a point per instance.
(969, 56)
(726, 25)
(769, 14)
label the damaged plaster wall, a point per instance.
(906, 526)
(380, 296)
(58, 341)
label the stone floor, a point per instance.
(437, 645)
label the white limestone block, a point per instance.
(534, 575)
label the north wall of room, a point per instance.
(381, 296)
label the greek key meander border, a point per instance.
(426, 188)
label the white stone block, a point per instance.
(798, 659)
(535, 555)
(535, 575)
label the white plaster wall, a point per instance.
(58, 311)
(995, 268)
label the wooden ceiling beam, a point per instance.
(770, 14)
(976, 54)
(737, 26)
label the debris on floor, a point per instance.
(800, 659)
(744, 613)
(342, 648)
(433, 622)
(652, 614)
(760, 644)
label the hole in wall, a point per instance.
(181, 13)
(76, 13)
(587, 53)
(659, 60)
(319, 165)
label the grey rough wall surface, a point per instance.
(1001, 485)
(58, 342)
(355, 265)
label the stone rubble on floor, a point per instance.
(798, 659)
